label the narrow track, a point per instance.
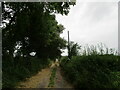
(42, 79)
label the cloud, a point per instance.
(92, 23)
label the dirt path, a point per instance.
(42, 79)
(60, 82)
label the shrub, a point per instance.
(93, 71)
(19, 68)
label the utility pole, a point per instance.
(68, 46)
(68, 38)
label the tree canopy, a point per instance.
(33, 27)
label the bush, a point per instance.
(63, 60)
(19, 68)
(93, 71)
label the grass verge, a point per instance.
(52, 78)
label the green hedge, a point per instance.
(93, 71)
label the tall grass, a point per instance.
(96, 67)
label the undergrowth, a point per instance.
(18, 69)
(92, 70)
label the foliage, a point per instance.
(93, 71)
(63, 60)
(38, 33)
(73, 49)
(31, 27)
(18, 70)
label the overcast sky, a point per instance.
(92, 23)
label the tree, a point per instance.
(74, 49)
(33, 27)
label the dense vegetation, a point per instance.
(20, 69)
(92, 69)
(30, 28)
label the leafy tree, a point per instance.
(74, 49)
(33, 26)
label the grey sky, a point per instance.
(92, 23)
